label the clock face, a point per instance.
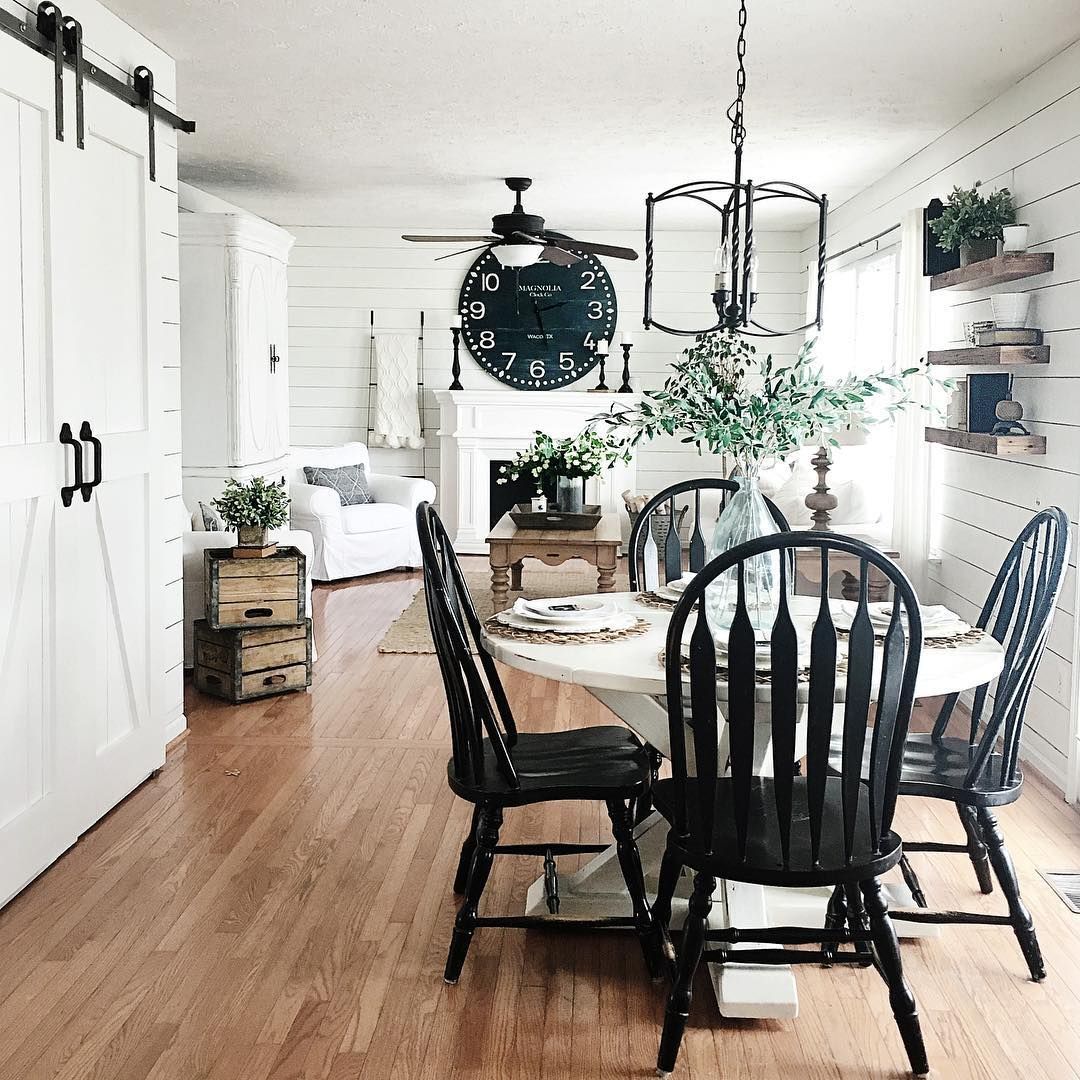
(534, 328)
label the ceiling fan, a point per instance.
(520, 239)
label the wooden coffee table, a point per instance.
(508, 545)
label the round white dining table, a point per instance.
(628, 676)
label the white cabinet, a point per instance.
(234, 350)
(82, 632)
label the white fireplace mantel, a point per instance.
(477, 427)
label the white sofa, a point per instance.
(196, 540)
(355, 540)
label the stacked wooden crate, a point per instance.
(256, 638)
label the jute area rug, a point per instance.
(409, 632)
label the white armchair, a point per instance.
(355, 540)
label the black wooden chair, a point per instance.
(786, 830)
(494, 766)
(670, 558)
(979, 769)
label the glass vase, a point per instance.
(569, 494)
(745, 517)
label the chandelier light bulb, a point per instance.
(722, 266)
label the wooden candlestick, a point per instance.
(821, 501)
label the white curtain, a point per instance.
(911, 484)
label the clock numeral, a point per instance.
(536, 369)
(596, 309)
(489, 282)
(477, 310)
(513, 357)
(566, 361)
(487, 339)
(588, 342)
(588, 277)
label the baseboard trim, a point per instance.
(175, 731)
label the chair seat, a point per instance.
(937, 770)
(763, 864)
(375, 517)
(587, 763)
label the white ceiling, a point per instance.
(406, 113)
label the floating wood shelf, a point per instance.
(1011, 266)
(992, 355)
(996, 445)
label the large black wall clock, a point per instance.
(534, 328)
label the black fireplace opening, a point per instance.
(506, 496)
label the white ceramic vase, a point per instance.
(1011, 310)
(1015, 238)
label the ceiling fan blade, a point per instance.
(464, 251)
(593, 249)
(559, 257)
(450, 239)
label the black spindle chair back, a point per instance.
(868, 792)
(669, 551)
(1018, 613)
(477, 703)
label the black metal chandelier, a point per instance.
(735, 278)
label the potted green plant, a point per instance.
(559, 466)
(973, 222)
(722, 397)
(253, 508)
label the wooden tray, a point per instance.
(524, 517)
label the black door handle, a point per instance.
(67, 492)
(86, 434)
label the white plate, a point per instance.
(939, 622)
(618, 621)
(565, 609)
(678, 585)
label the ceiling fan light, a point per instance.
(517, 255)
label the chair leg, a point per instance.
(690, 950)
(487, 837)
(1001, 861)
(622, 827)
(858, 921)
(835, 919)
(976, 847)
(643, 806)
(887, 948)
(911, 880)
(670, 869)
(461, 878)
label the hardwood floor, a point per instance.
(277, 904)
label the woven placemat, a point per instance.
(969, 637)
(764, 678)
(495, 628)
(655, 600)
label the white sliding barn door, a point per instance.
(38, 819)
(80, 585)
(102, 349)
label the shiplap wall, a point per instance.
(1028, 140)
(338, 274)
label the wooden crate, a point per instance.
(242, 665)
(255, 592)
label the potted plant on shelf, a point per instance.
(560, 466)
(252, 509)
(722, 397)
(974, 222)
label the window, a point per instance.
(859, 331)
(859, 337)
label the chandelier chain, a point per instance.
(735, 111)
